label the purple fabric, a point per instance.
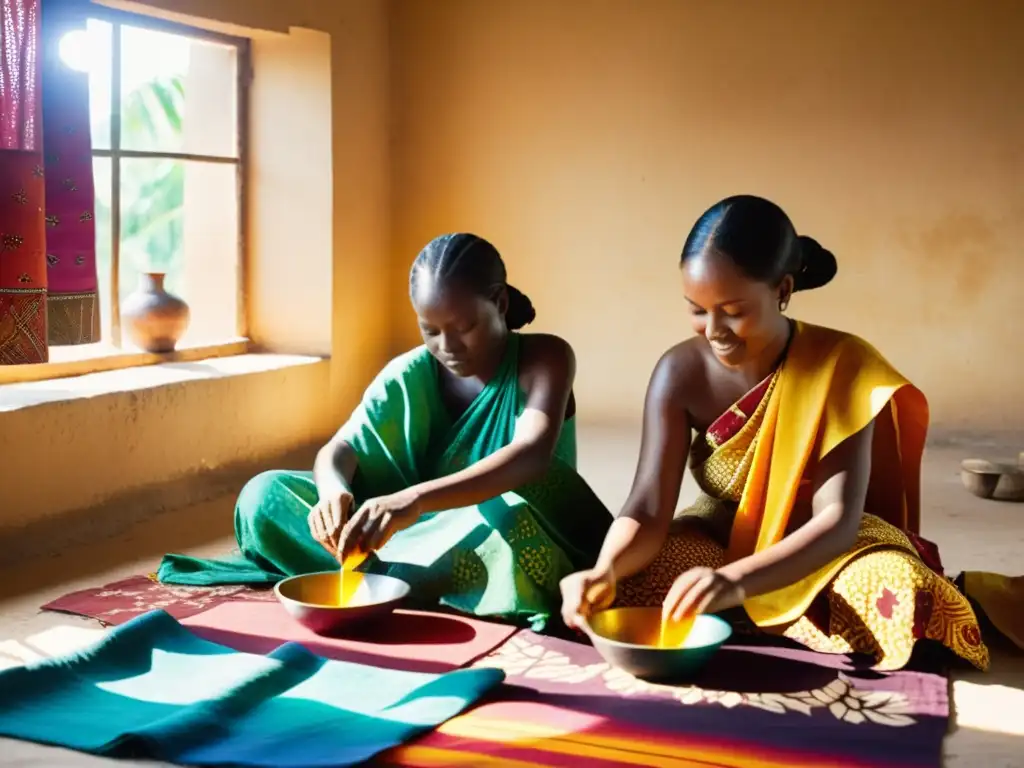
(765, 693)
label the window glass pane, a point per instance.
(178, 94)
(181, 219)
(90, 50)
(101, 171)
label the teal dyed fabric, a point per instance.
(153, 689)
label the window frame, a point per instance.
(244, 74)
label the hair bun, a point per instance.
(817, 265)
(520, 309)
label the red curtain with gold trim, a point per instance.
(48, 285)
(22, 186)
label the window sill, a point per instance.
(166, 370)
(97, 358)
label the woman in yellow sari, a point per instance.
(806, 444)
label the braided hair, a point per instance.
(476, 264)
(761, 241)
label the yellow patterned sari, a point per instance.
(754, 465)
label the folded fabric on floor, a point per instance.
(152, 689)
(758, 705)
(253, 621)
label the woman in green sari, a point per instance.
(459, 463)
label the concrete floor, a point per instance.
(973, 534)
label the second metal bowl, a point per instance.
(628, 638)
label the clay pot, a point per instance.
(154, 319)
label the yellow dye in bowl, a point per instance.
(638, 641)
(314, 599)
(348, 579)
(645, 627)
(673, 634)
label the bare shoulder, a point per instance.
(547, 354)
(680, 372)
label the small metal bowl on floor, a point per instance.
(628, 638)
(1000, 480)
(314, 599)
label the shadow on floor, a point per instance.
(193, 513)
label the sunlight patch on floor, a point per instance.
(992, 708)
(56, 641)
(14, 653)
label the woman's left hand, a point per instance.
(377, 521)
(701, 590)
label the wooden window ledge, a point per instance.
(133, 371)
(96, 358)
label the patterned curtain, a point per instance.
(48, 283)
(22, 189)
(72, 300)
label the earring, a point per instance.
(783, 303)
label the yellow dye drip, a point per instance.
(348, 579)
(673, 634)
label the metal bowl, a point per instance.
(1000, 480)
(627, 638)
(313, 599)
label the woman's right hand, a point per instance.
(328, 516)
(583, 593)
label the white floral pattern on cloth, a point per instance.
(520, 658)
(141, 598)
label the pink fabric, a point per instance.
(123, 600)
(19, 74)
(252, 620)
(414, 641)
(48, 279)
(22, 235)
(70, 201)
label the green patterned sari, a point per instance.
(503, 558)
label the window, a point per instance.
(168, 113)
